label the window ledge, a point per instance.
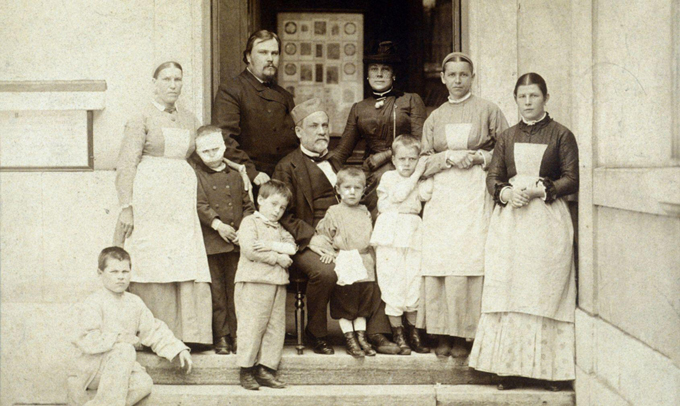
(52, 95)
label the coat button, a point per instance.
(269, 110)
(214, 187)
(173, 119)
(227, 186)
(217, 206)
(229, 204)
(231, 223)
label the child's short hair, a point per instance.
(406, 141)
(112, 252)
(274, 187)
(349, 172)
(207, 129)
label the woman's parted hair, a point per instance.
(406, 141)
(111, 252)
(167, 65)
(262, 35)
(531, 78)
(275, 187)
(349, 172)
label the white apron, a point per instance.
(166, 244)
(529, 252)
(456, 219)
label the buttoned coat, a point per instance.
(293, 170)
(221, 195)
(257, 117)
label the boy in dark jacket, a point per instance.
(223, 201)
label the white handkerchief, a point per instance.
(349, 267)
(176, 142)
(457, 135)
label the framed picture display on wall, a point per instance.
(322, 57)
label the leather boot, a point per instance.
(443, 349)
(383, 345)
(265, 377)
(221, 346)
(459, 348)
(353, 347)
(319, 345)
(365, 345)
(400, 340)
(232, 344)
(247, 379)
(414, 339)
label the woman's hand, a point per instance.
(262, 246)
(126, 220)
(322, 252)
(185, 361)
(477, 158)
(460, 159)
(536, 191)
(420, 167)
(516, 198)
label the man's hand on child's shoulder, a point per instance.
(185, 361)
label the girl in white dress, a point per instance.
(397, 240)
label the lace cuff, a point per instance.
(498, 188)
(550, 190)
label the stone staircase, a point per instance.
(418, 379)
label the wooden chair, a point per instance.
(298, 285)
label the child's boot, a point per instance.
(265, 377)
(415, 340)
(247, 379)
(400, 340)
(365, 345)
(352, 345)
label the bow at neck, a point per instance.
(316, 157)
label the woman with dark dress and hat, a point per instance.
(379, 119)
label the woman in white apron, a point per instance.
(458, 140)
(527, 323)
(157, 193)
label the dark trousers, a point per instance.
(322, 279)
(222, 273)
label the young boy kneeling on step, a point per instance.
(111, 322)
(260, 291)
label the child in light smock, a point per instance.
(397, 240)
(111, 322)
(344, 236)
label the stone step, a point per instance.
(315, 369)
(375, 395)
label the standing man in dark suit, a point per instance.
(309, 172)
(254, 112)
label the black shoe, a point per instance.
(507, 383)
(221, 346)
(265, 377)
(232, 344)
(352, 345)
(383, 345)
(414, 340)
(247, 379)
(400, 340)
(365, 345)
(443, 349)
(319, 345)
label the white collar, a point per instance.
(527, 122)
(255, 76)
(310, 153)
(265, 219)
(462, 99)
(158, 105)
(382, 94)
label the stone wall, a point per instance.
(53, 224)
